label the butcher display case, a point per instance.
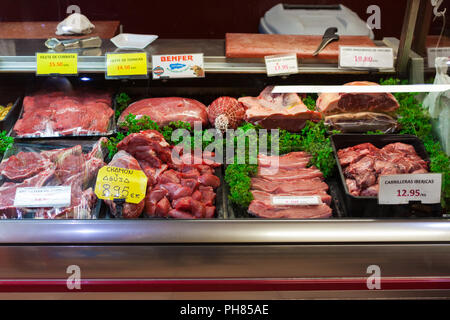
(355, 253)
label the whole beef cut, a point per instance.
(180, 188)
(288, 176)
(122, 159)
(334, 103)
(59, 113)
(165, 110)
(278, 110)
(57, 167)
(364, 163)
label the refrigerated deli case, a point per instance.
(228, 257)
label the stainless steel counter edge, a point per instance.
(222, 231)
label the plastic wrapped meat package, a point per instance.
(35, 171)
(358, 112)
(58, 113)
(361, 122)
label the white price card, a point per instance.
(433, 53)
(296, 200)
(281, 64)
(188, 65)
(366, 57)
(52, 196)
(402, 188)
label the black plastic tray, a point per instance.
(111, 127)
(12, 116)
(368, 207)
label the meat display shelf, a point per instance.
(240, 258)
(19, 56)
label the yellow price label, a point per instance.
(126, 64)
(56, 63)
(119, 183)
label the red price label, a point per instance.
(363, 59)
(410, 193)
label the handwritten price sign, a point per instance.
(119, 183)
(402, 188)
(56, 63)
(281, 64)
(366, 57)
(126, 64)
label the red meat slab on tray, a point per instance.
(254, 45)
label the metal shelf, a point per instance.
(19, 57)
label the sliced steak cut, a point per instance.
(261, 209)
(285, 175)
(292, 160)
(267, 197)
(24, 165)
(275, 187)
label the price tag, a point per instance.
(119, 183)
(433, 53)
(56, 63)
(178, 66)
(366, 57)
(402, 188)
(32, 197)
(296, 200)
(126, 64)
(281, 64)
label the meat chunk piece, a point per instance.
(363, 165)
(162, 207)
(275, 110)
(166, 110)
(333, 103)
(124, 160)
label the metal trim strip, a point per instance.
(200, 285)
(249, 231)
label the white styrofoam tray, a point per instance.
(133, 41)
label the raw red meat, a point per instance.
(24, 165)
(286, 174)
(225, 113)
(58, 113)
(333, 103)
(363, 165)
(254, 45)
(263, 210)
(289, 161)
(59, 167)
(124, 160)
(293, 179)
(175, 189)
(149, 146)
(273, 111)
(165, 110)
(289, 186)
